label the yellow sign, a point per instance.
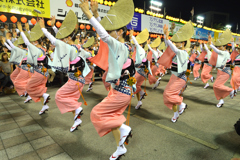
(26, 7)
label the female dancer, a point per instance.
(142, 64)
(107, 115)
(154, 65)
(19, 57)
(36, 86)
(223, 63)
(206, 76)
(177, 82)
(67, 96)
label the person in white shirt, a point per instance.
(223, 64)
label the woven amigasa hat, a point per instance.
(155, 43)
(68, 25)
(142, 37)
(89, 43)
(146, 47)
(20, 39)
(119, 15)
(36, 33)
(162, 46)
(184, 33)
(224, 39)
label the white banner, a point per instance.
(60, 8)
(153, 24)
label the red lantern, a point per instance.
(88, 27)
(134, 33)
(3, 18)
(24, 20)
(93, 29)
(82, 26)
(33, 21)
(128, 32)
(58, 24)
(13, 19)
(49, 22)
(137, 33)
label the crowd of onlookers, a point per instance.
(6, 68)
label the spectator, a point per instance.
(2, 31)
(6, 68)
(14, 28)
(6, 28)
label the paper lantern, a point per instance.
(82, 26)
(109, 3)
(101, 1)
(58, 24)
(33, 21)
(3, 18)
(93, 29)
(49, 22)
(13, 19)
(128, 32)
(113, 3)
(137, 33)
(24, 20)
(106, 2)
(88, 27)
(136, 10)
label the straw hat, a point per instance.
(89, 43)
(20, 39)
(162, 46)
(224, 39)
(156, 42)
(119, 15)
(68, 25)
(36, 33)
(188, 45)
(184, 33)
(142, 37)
(146, 47)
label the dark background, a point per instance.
(174, 7)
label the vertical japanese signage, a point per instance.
(136, 22)
(60, 8)
(153, 24)
(26, 7)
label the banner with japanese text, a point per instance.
(153, 24)
(60, 8)
(26, 7)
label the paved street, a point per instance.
(202, 132)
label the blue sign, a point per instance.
(136, 22)
(203, 34)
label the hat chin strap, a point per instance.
(118, 35)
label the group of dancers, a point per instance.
(124, 72)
